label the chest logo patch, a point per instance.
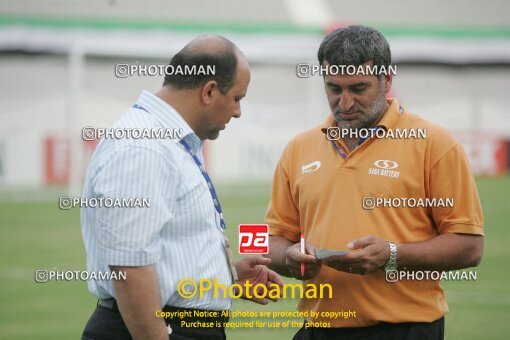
(309, 168)
(384, 167)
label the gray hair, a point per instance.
(355, 45)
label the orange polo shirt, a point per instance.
(323, 201)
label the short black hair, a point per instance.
(355, 45)
(224, 63)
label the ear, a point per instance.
(209, 92)
(388, 79)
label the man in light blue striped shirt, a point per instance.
(180, 235)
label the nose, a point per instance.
(237, 111)
(346, 101)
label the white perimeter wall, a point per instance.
(35, 102)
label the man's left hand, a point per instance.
(371, 255)
(253, 270)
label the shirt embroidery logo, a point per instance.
(385, 168)
(386, 164)
(309, 168)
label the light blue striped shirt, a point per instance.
(179, 234)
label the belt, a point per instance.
(180, 314)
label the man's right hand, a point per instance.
(294, 258)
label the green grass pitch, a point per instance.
(39, 235)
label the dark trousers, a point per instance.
(382, 331)
(107, 324)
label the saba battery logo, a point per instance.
(385, 167)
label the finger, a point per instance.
(274, 277)
(296, 266)
(311, 270)
(309, 249)
(362, 242)
(261, 260)
(271, 285)
(264, 292)
(308, 275)
(259, 290)
(253, 261)
(296, 256)
(274, 299)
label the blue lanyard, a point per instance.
(344, 156)
(216, 201)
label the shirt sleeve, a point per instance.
(130, 236)
(282, 215)
(451, 177)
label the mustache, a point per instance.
(338, 112)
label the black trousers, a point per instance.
(382, 331)
(107, 324)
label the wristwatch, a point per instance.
(392, 262)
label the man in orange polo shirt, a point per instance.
(398, 205)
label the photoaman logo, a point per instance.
(393, 276)
(253, 239)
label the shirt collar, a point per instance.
(391, 116)
(169, 118)
(388, 120)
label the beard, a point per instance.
(368, 117)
